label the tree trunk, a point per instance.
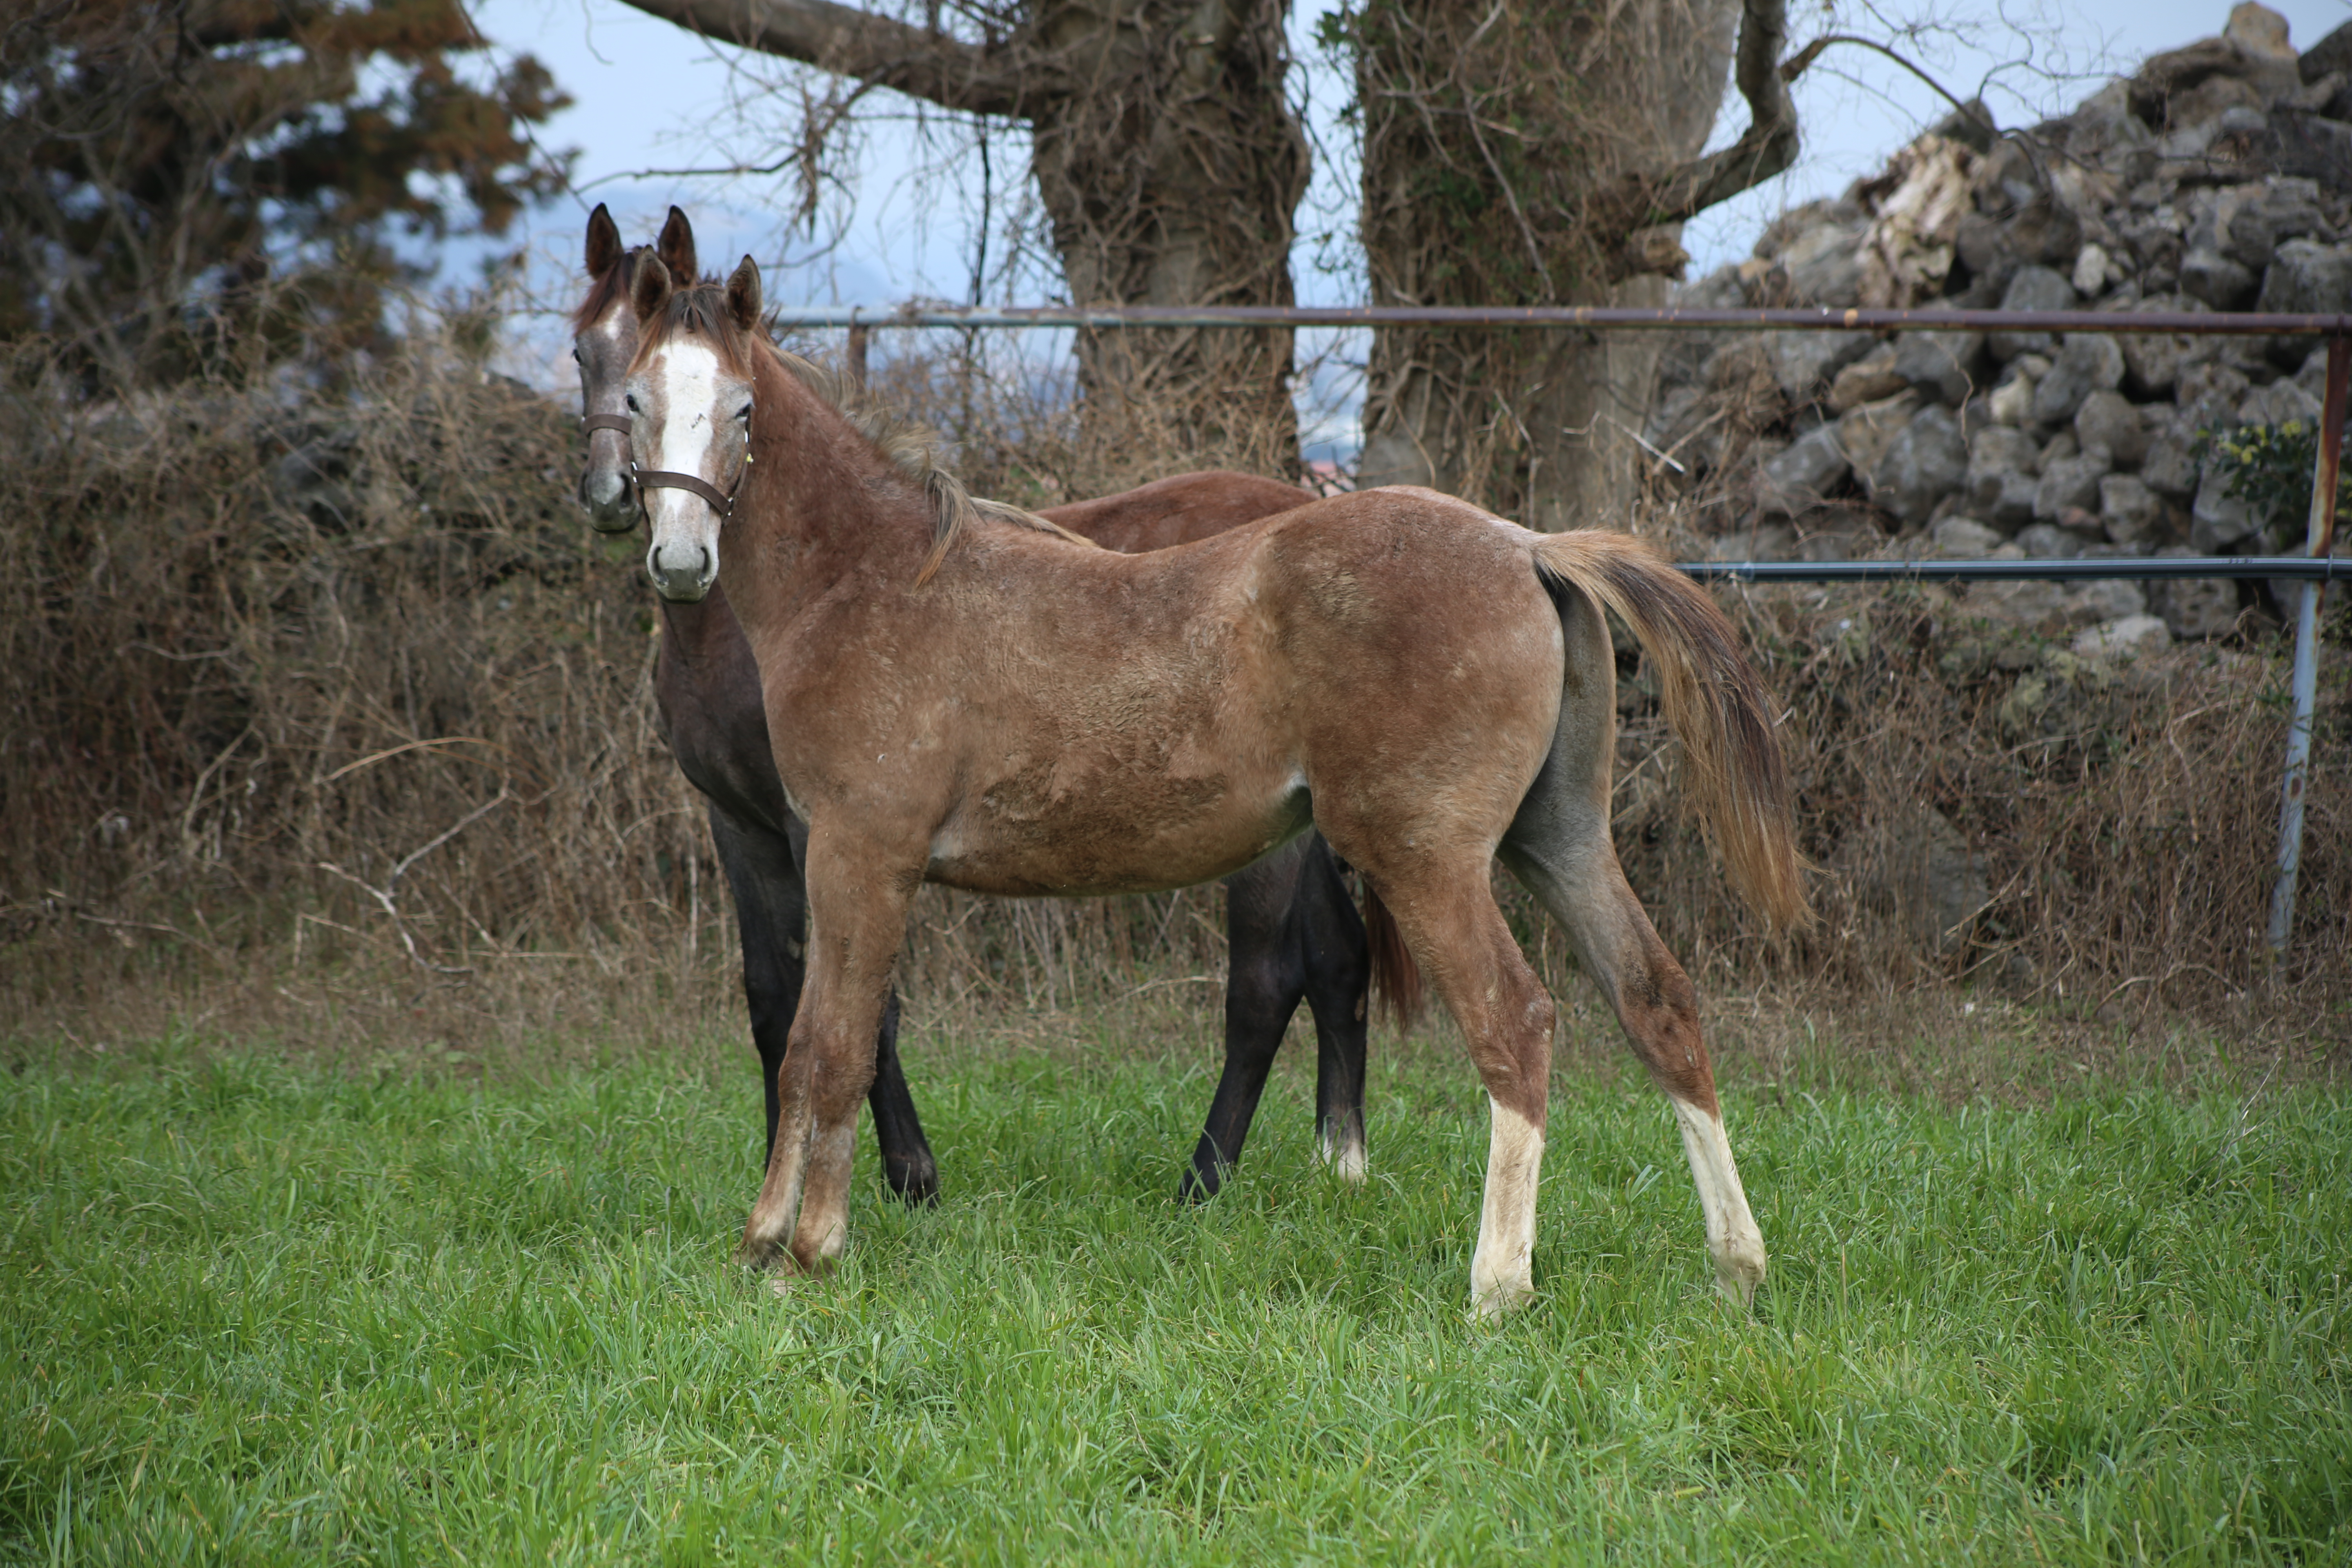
(1529, 158)
(1169, 165)
(1171, 180)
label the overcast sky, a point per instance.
(903, 218)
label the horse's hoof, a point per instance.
(915, 1183)
(1738, 1271)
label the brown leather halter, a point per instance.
(662, 478)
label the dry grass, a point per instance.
(331, 721)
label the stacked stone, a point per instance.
(2218, 178)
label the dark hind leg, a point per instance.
(1338, 984)
(1560, 850)
(1266, 976)
(771, 909)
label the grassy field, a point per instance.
(253, 1312)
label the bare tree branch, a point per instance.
(977, 78)
(1768, 146)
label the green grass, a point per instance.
(252, 1312)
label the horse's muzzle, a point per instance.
(611, 499)
(682, 573)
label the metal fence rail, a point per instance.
(1591, 318)
(2133, 568)
(2315, 569)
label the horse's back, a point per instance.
(1180, 509)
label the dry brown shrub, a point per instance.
(327, 712)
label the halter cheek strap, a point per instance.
(662, 478)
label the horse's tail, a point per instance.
(1396, 979)
(1715, 701)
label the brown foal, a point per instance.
(962, 692)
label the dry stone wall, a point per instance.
(2219, 177)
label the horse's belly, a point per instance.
(1128, 836)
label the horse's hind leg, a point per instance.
(1560, 850)
(1449, 920)
(1338, 984)
(1266, 973)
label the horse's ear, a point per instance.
(743, 295)
(650, 290)
(604, 242)
(675, 247)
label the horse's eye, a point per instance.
(575, 356)
(744, 414)
(631, 401)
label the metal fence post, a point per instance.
(2320, 538)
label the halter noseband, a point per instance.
(662, 478)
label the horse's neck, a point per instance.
(819, 504)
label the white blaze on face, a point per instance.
(677, 422)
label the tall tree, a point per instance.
(1539, 154)
(1167, 160)
(182, 176)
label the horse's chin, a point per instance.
(612, 522)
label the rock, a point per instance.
(2104, 601)
(2152, 362)
(2129, 512)
(2086, 363)
(1836, 534)
(1982, 246)
(2002, 476)
(2279, 210)
(1866, 380)
(2217, 521)
(2278, 403)
(2014, 398)
(1803, 475)
(2332, 52)
(1775, 542)
(2107, 419)
(2093, 269)
(1940, 366)
(2019, 604)
(2124, 635)
(2317, 146)
(2048, 542)
(1803, 361)
(2033, 288)
(2195, 607)
(2190, 86)
(1926, 461)
(2224, 284)
(2209, 395)
(2171, 467)
(1866, 432)
(1971, 125)
(2260, 31)
(2047, 232)
(2071, 481)
(2306, 277)
(1963, 539)
(1822, 264)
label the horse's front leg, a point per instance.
(858, 896)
